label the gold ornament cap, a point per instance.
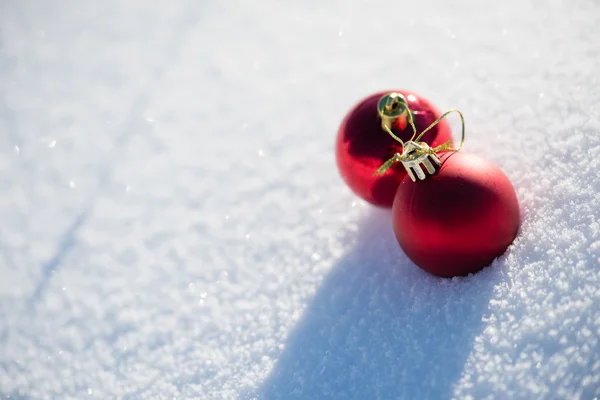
(393, 111)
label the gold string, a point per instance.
(444, 115)
(387, 165)
(410, 117)
(445, 146)
(394, 136)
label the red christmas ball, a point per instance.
(362, 145)
(458, 220)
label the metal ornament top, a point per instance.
(393, 110)
(416, 154)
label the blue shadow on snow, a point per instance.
(381, 328)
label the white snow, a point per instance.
(174, 226)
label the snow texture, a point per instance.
(174, 226)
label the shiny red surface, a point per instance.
(362, 146)
(459, 220)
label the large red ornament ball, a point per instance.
(458, 220)
(362, 146)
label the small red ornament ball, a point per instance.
(458, 220)
(362, 146)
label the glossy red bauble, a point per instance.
(458, 220)
(362, 146)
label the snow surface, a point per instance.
(173, 224)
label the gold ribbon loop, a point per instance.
(422, 149)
